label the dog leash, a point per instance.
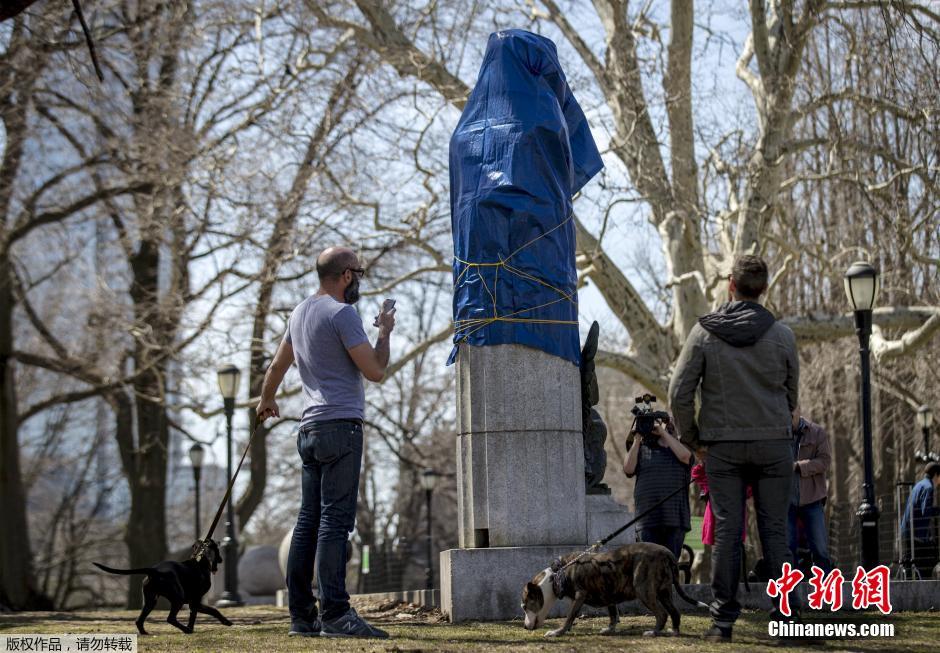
(228, 492)
(597, 545)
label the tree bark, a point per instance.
(18, 589)
(146, 524)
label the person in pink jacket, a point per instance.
(708, 521)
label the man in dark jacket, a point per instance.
(921, 511)
(744, 363)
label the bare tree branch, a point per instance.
(634, 368)
(27, 223)
(823, 328)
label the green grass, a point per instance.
(265, 629)
(694, 537)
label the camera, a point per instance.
(645, 417)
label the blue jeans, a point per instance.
(670, 537)
(814, 525)
(331, 452)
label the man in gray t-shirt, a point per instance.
(326, 340)
(322, 331)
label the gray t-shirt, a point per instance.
(321, 330)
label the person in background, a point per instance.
(708, 519)
(661, 465)
(808, 500)
(919, 512)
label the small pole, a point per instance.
(196, 454)
(230, 597)
(430, 568)
(868, 510)
(197, 473)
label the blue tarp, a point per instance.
(521, 150)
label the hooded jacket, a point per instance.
(745, 366)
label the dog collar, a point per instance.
(559, 583)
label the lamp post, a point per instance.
(925, 421)
(229, 377)
(861, 287)
(196, 455)
(428, 481)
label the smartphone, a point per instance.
(387, 307)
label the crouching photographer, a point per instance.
(661, 465)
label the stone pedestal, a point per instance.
(486, 583)
(520, 479)
(520, 461)
(604, 516)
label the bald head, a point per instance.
(333, 261)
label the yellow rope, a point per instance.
(526, 275)
(475, 324)
(521, 310)
(557, 226)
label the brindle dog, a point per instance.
(180, 582)
(643, 571)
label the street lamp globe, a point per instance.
(861, 286)
(428, 479)
(197, 454)
(229, 377)
(924, 417)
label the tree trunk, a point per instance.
(146, 524)
(258, 457)
(18, 589)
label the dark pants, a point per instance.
(331, 452)
(813, 516)
(731, 466)
(670, 537)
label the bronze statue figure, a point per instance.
(593, 428)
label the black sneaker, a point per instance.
(717, 634)
(351, 625)
(305, 628)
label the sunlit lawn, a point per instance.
(265, 629)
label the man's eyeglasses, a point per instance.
(359, 271)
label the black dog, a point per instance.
(180, 582)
